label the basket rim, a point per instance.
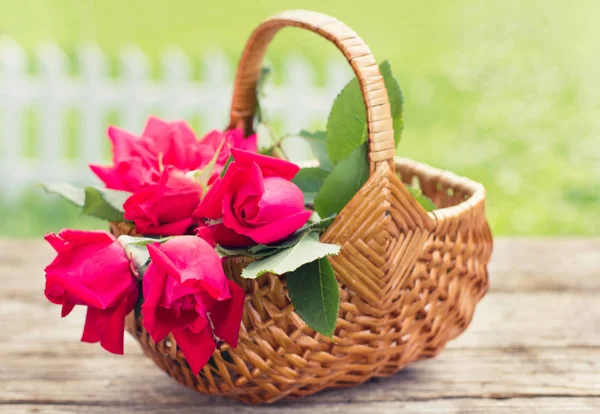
(475, 190)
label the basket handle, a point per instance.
(357, 53)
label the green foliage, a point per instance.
(306, 250)
(316, 140)
(344, 181)
(75, 195)
(315, 225)
(226, 166)
(315, 295)
(347, 122)
(96, 202)
(395, 97)
(310, 181)
(104, 204)
(265, 74)
(422, 199)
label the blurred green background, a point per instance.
(504, 92)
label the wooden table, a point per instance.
(534, 346)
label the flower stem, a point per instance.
(277, 141)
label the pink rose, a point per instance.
(137, 161)
(91, 269)
(165, 208)
(134, 166)
(186, 293)
(255, 199)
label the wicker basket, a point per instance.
(409, 279)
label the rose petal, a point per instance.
(153, 283)
(281, 198)
(197, 260)
(108, 175)
(165, 208)
(210, 206)
(270, 166)
(206, 234)
(108, 326)
(154, 127)
(236, 138)
(277, 230)
(67, 307)
(77, 274)
(197, 348)
(229, 238)
(226, 315)
(175, 228)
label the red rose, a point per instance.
(187, 293)
(255, 199)
(165, 208)
(91, 269)
(137, 161)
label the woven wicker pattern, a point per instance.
(409, 280)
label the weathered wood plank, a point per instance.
(545, 264)
(453, 406)
(517, 264)
(63, 375)
(502, 320)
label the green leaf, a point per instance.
(422, 199)
(317, 223)
(264, 250)
(315, 295)
(226, 166)
(265, 73)
(97, 202)
(395, 97)
(104, 204)
(74, 194)
(307, 249)
(347, 122)
(270, 151)
(316, 140)
(310, 181)
(344, 181)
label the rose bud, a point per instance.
(186, 293)
(91, 269)
(255, 199)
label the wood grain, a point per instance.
(453, 406)
(533, 346)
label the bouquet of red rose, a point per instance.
(194, 201)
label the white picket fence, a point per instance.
(56, 92)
